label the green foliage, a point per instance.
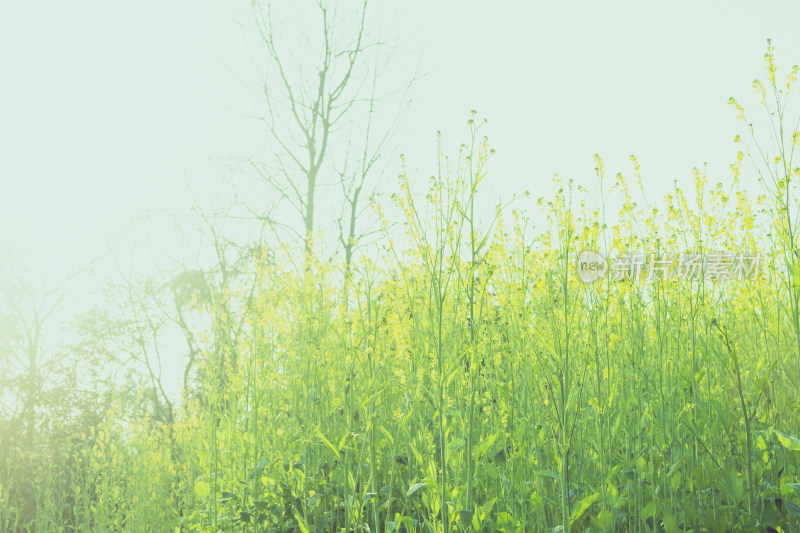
(471, 382)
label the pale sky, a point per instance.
(110, 108)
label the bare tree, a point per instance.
(327, 118)
(26, 360)
(360, 178)
(210, 286)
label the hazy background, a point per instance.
(112, 109)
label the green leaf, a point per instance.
(641, 466)
(505, 520)
(788, 442)
(650, 509)
(675, 481)
(491, 471)
(369, 398)
(603, 520)
(484, 446)
(303, 527)
(583, 506)
(202, 489)
(313, 499)
(670, 525)
(329, 445)
(546, 473)
(415, 487)
(486, 509)
(465, 516)
(793, 508)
